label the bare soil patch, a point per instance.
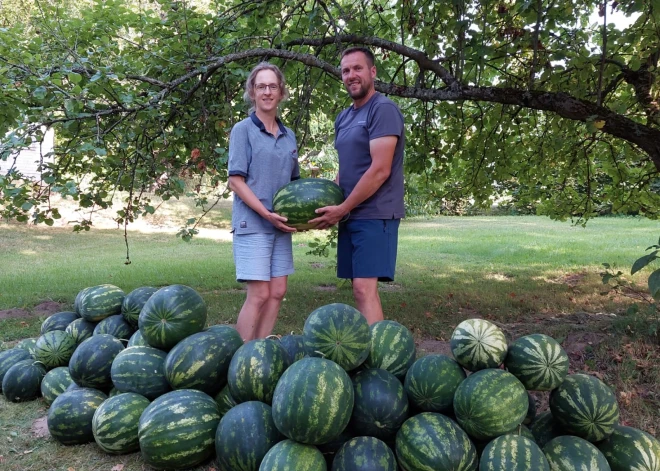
(39, 428)
(14, 314)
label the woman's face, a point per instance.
(267, 91)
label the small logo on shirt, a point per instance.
(243, 224)
(362, 122)
(294, 151)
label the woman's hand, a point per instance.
(278, 221)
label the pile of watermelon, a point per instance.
(143, 372)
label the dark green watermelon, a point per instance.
(137, 340)
(26, 344)
(431, 383)
(134, 302)
(569, 453)
(544, 428)
(9, 358)
(513, 453)
(22, 382)
(81, 330)
(70, 415)
(224, 401)
(392, 348)
(628, 448)
(116, 326)
(115, 423)
(294, 346)
(98, 302)
(91, 363)
(58, 321)
(298, 200)
(55, 383)
(364, 454)
(288, 455)
(140, 370)
(54, 349)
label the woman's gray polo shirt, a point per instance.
(267, 162)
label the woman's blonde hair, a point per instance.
(249, 96)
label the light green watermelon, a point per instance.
(631, 449)
(569, 453)
(513, 453)
(432, 381)
(538, 361)
(115, 423)
(478, 344)
(392, 348)
(288, 455)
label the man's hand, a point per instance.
(330, 215)
(278, 221)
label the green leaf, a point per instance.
(40, 92)
(74, 77)
(643, 261)
(654, 284)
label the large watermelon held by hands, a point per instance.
(298, 200)
(338, 332)
(432, 381)
(170, 315)
(478, 344)
(392, 348)
(538, 361)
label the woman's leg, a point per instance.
(268, 316)
(249, 319)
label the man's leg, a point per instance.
(365, 292)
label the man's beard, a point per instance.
(361, 93)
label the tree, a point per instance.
(500, 96)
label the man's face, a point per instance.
(357, 75)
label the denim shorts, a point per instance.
(260, 257)
(366, 248)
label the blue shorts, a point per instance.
(366, 248)
(260, 257)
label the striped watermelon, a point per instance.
(177, 430)
(245, 435)
(255, 369)
(631, 449)
(531, 410)
(70, 415)
(380, 405)
(54, 349)
(76, 302)
(91, 363)
(58, 321)
(137, 340)
(288, 455)
(98, 302)
(115, 423)
(134, 302)
(224, 401)
(170, 315)
(339, 333)
(544, 428)
(522, 431)
(298, 200)
(478, 344)
(55, 383)
(538, 361)
(201, 361)
(569, 453)
(22, 382)
(432, 381)
(585, 406)
(25, 344)
(223, 329)
(140, 370)
(116, 326)
(431, 441)
(294, 346)
(313, 401)
(364, 454)
(392, 348)
(80, 330)
(513, 453)
(9, 358)
(490, 403)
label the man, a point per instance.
(369, 137)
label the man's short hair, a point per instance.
(371, 59)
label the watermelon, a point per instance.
(432, 381)
(298, 200)
(313, 401)
(70, 415)
(478, 344)
(364, 454)
(522, 431)
(490, 403)
(222, 329)
(177, 430)
(76, 302)
(80, 330)
(134, 302)
(224, 401)
(538, 361)
(98, 302)
(255, 369)
(288, 455)
(431, 441)
(245, 434)
(140, 370)
(25, 344)
(116, 326)
(339, 333)
(55, 383)
(380, 406)
(58, 321)
(22, 382)
(115, 423)
(137, 340)
(569, 453)
(91, 363)
(54, 349)
(531, 410)
(513, 453)
(392, 348)
(9, 358)
(170, 315)
(201, 361)
(585, 406)
(631, 449)
(294, 346)
(544, 428)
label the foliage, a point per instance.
(500, 96)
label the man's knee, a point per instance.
(365, 288)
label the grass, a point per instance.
(528, 274)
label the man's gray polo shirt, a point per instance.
(267, 162)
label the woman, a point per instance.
(262, 157)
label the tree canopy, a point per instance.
(519, 98)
